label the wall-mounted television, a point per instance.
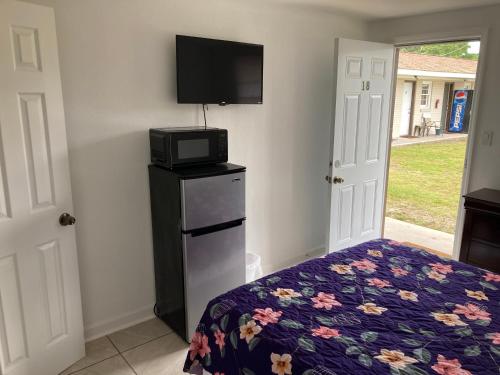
(211, 71)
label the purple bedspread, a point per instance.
(377, 308)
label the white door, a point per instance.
(404, 127)
(41, 330)
(359, 144)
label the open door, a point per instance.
(364, 72)
(41, 329)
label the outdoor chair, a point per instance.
(425, 126)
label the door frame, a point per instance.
(472, 34)
(447, 103)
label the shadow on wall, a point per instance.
(171, 67)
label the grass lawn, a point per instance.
(424, 183)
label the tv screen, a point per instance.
(213, 71)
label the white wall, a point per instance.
(437, 91)
(484, 171)
(118, 73)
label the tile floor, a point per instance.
(149, 348)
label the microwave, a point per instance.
(187, 146)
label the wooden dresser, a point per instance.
(481, 235)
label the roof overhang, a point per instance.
(423, 73)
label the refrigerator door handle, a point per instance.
(214, 228)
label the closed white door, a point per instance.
(41, 330)
(359, 143)
(404, 127)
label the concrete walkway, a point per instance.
(406, 141)
(405, 232)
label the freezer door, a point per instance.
(212, 200)
(214, 263)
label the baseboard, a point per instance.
(105, 327)
(309, 254)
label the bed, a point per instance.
(377, 308)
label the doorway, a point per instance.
(406, 109)
(447, 102)
(427, 155)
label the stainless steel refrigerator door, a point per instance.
(212, 200)
(214, 263)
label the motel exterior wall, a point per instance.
(436, 101)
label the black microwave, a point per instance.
(187, 146)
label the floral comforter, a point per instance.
(377, 308)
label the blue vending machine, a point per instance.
(460, 111)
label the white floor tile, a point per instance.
(139, 334)
(164, 356)
(112, 366)
(96, 351)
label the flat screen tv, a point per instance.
(221, 72)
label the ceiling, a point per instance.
(377, 9)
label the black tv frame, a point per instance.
(223, 103)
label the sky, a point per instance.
(474, 47)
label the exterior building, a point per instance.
(424, 89)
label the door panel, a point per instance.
(214, 263)
(354, 67)
(26, 48)
(53, 290)
(350, 130)
(378, 68)
(375, 109)
(36, 148)
(346, 201)
(369, 204)
(12, 329)
(359, 141)
(212, 200)
(41, 326)
(4, 194)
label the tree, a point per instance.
(456, 49)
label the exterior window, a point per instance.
(425, 96)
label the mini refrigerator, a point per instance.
(198, 217)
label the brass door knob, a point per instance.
(66, 219)
(338, 180)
